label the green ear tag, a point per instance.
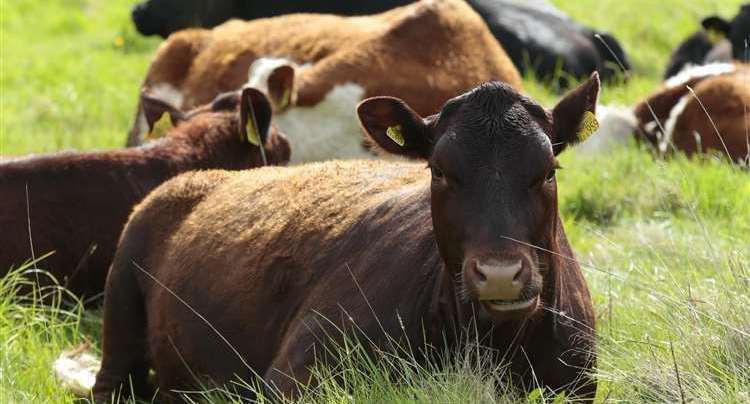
(161, 126)
(252, 133)
(394, 132)
(588, 126)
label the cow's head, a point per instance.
(492, 153)
(737, 31)
(240, 117)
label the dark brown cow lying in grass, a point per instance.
(264, 256)
(423, 53)
(78, 203)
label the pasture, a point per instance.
(664, 244)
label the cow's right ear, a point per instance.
(395, 127)
(160, 115)
(255, 116)
(717, 27)
(281, 87)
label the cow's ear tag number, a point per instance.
(161, 126)
(394, 132)
(588, 126)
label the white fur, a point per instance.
(692, 71)
(671, 122)
(616, 126)
(262, 68)
(328, 130)
(76, 369)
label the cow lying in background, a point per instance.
(719, 41)
(536, 35)
(474, 243)
(712, 118)
(76, 204)
(543, 40)
(424, 53)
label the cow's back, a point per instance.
(258, 253)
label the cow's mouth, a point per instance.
(511, 305)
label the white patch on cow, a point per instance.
(616, 127)
(329, 130)
(261, 69)
(166, 92)
(671, 122)
(76, 370)
(141, 125)
(692, 71)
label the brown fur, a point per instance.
(423, 53)
(79, 202)
(726, 98)
(266, 256)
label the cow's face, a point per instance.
(492, 155)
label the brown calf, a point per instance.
(424, 53)
(475, 242)
(78, 203)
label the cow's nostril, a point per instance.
(475, 267)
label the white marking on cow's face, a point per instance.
(141, 126)
(328, 130)
(616, 127)
(669, 126)
(691, 71)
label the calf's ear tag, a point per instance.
(251, 132)
(394, 132)
(161, 126)
(588, 126)
(714, 36)
(284, 102)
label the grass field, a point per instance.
(665, 245)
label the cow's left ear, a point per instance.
(160, 115)
(574, 117)
(281, 87)
(395, 127)
(255, 116)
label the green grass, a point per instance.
(664, 244)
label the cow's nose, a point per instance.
(499, 279)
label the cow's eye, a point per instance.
(437, 173)
(550, 175)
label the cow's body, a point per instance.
(537, 35)
(76, 204)
(269, 257)
(424, 53)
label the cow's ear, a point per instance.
(160, 115)
(281, 87)
(255, 116)
(574, 117)
(395, 127)
(716, 27)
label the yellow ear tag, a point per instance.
(161, 126)
(394, 132)
(714, 36)
(284, 100)
(588, 126)
(252, 133)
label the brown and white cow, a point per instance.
(703, 109)
(423, 53)
(474, 242)
(76, 204)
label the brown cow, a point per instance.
(78, 203)
(424, 53)
(713, 118)
(721, 98)
(475, 242)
